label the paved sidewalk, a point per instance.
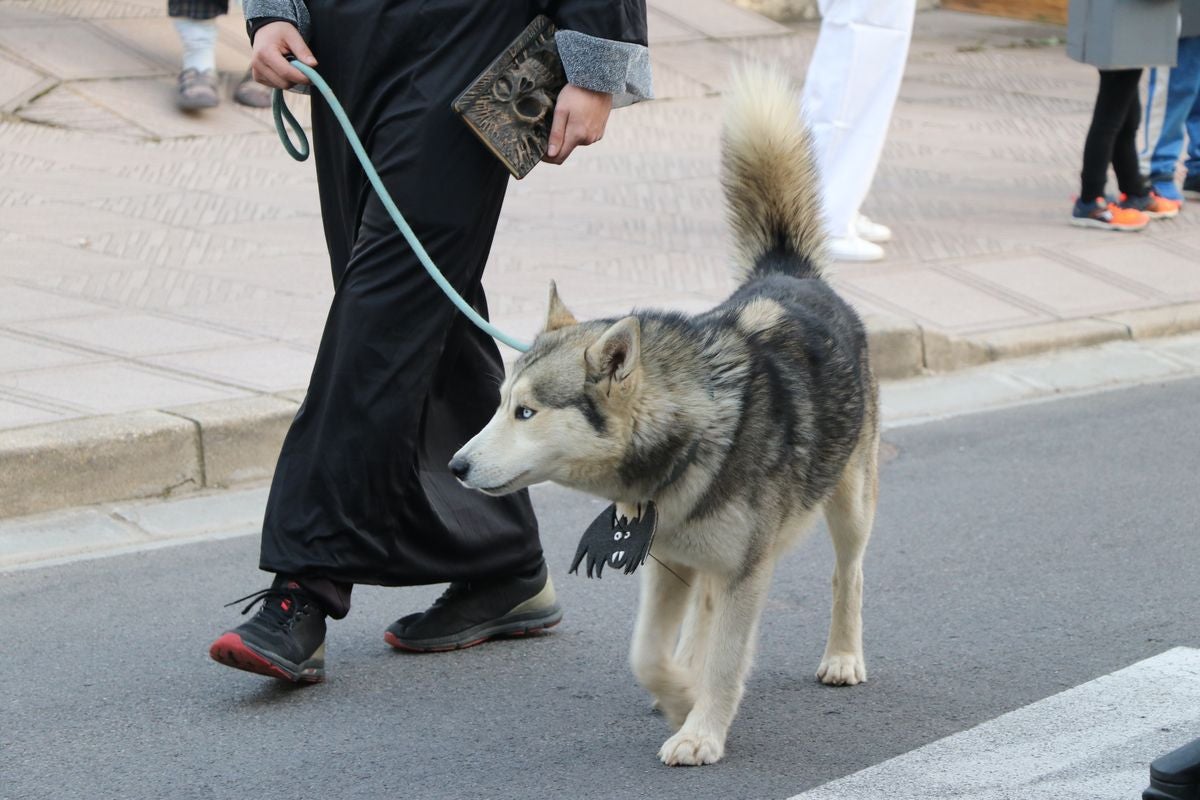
(163, 283)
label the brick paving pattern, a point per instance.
(150, 260)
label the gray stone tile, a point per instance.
(1163, 271)
(139, 286)
(197, 209)
(24, 304)
(939, 299)
(78, 184)
(62, 106)
(68, 222)
(707, 62)
(67, 10)
(665, 28)
(154, 40)
(151, 101)
(39, 261)
(1122, 362)
(718, 18)
(192, 516)
(69, 51)
(298, 236)
(1183, 348)
(932, 397)
(15, 413)
(283, 317)
(267, 367)
(1063, 291)
(70, 149)
(171, 247)
(111, 388)
(131, 334)
(17, 82)
(21, 353)
(60, 534)
(13, 14)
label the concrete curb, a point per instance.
(95, 459)
(147, 453)
(240, 439)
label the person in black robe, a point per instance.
(362, 492)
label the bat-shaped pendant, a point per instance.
(618, 542)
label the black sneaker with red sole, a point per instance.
(473, 612)
(285, 639)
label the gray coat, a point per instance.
(1123, 34)
(1191, 18)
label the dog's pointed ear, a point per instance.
(618, 351)
(557, 316)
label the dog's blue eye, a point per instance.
(525, 412)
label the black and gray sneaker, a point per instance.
(472, 612)
(285, 639)
(197, 90)
(1191, 187)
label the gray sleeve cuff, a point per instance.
(621, 69)
(292, 10)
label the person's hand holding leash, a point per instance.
(273, 43)
(579, 119)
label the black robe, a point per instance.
(361, 493)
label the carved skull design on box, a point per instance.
(511, 105)
(523, 90)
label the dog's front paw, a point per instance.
(691, 749)
(842, 669)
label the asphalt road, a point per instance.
(1017, 553)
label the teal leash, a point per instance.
(282, 113)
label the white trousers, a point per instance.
(849, 93)
(199, 40)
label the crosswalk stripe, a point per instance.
(1092, 742)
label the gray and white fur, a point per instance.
(741, 424)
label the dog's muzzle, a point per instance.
(460, 467)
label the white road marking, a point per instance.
(1093, 742)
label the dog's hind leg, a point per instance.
(737, 606)
(850, 513)
(660, 612)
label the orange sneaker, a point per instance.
(1152, 205)
(1108, 216)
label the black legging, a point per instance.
(1112, 138)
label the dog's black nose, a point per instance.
(459, 467)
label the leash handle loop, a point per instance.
(281, 112)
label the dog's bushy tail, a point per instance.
(770, 178)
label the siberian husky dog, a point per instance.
(741, 424)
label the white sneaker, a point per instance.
(871, 231)
(854, 249)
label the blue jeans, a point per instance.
(1164, 130)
